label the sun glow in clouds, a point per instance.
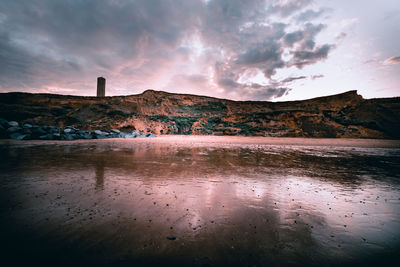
(243, 50)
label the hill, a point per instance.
(345, 115)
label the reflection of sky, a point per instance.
(197, 193)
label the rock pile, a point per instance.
(13, 130)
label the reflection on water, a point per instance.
(217, 205)
(99, 173)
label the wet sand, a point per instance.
(199, 140)
(197, 200)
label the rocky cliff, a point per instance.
(345, 115)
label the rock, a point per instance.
(46, 128)
(13, 124)
(46, 137)
(70, 127)
(83, 135)
(101, 134)
(68, 137)
(29, 131)
(13, 129)
(54, 129)
(86, 135)
(175, 129)
(4, 123)
(27, 126)
(129, 136)
(18, 136)
(113, 136)
(38, 131)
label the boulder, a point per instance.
(13, 124)
(26, 130)
(101, 134)
(18, 136)
(68, 137)
(86, 135)
(4, 123)
(13, 129)
(29, 131)
(54, 129)
(98, 132)
(38, 131)
(129, 135)
(47, 137)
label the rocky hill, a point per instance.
(345, 115)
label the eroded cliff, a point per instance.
(344, 115)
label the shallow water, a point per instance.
(183, 204)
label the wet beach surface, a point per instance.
(203, 201)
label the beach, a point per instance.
(201, 200)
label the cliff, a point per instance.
(345, 115)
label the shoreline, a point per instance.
(203, 140)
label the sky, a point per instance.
(275, 50)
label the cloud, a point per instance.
(304, 37)
(386, 62)
(288, 7)
(177, 45)
(392, 61)
(269, 93)
(291, 79)
(291, 38)
(341, 35)
(318, 76)
(302, 58)
(310, 14)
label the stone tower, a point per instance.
(101, 87)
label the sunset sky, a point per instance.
(243, 50)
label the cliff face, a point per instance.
(344, 115)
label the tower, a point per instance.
(101, 87)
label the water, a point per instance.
(189, 203)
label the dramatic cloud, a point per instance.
(392, 61)
(215, 47)
(302, 58)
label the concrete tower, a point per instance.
(101, 87)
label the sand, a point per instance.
(217, 141)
